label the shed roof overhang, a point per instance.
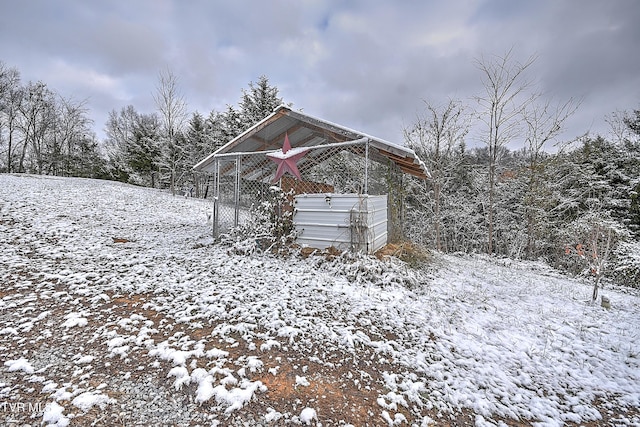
(323, 138)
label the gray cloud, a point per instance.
(364, 64)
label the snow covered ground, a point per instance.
(116, 308)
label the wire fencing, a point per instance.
(243, 183)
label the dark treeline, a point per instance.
(159, 149)
(577, 209)
(42, 132)
(584, 196)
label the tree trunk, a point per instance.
(490, 218)
(22, 156)
(438, 220)
(596, 287)
(9, 147)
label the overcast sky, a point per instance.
(365, 64)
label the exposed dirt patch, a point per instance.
(409, 252)
(329, 253)
(330, 391)
(125, 305)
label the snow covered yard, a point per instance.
(116, 308)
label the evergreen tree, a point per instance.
(610, 177)
(233, 124)
(144, 153)
(631, 150)
(632, 121)
(132, 146)
(197, 138)
(258, 102)
(544, 122)
(198, 143)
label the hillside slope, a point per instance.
(117, 308)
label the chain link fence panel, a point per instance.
(243, 182)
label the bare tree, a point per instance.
(10, 99)
(618, 125)
(435, 136)
(597, 235)
(544, 122)
(73, 129)
(37, 117)
(506, 94)
(173, 113)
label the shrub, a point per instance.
(270, 226)
(626, 264)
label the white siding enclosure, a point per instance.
(356, 222)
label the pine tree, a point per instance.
(463, 219)
(233, 124)
(631, 150)
(143, 150)
(132, 146)
(632, 121)
(258, 102)
(214, 129)
(198, 146)
(196, 136)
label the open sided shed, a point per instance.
(338, 160)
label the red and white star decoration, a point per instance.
(287, 159)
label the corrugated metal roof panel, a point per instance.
(307, 131)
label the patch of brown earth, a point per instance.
(409, 252)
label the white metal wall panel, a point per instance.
(378, 207)
(324, 220)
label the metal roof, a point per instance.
(322, 137)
